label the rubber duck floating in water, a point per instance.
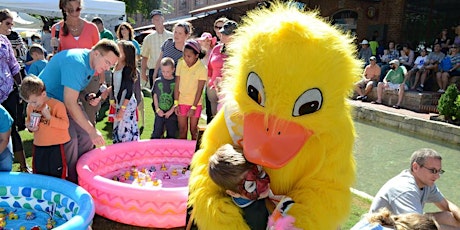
(286, 82)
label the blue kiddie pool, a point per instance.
(29, 200)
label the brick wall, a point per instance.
(387, 12)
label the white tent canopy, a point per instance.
(111, 11)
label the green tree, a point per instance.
(447, 105)
(145, 6)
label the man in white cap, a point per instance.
(151, 46)
(365, 52)
(394, 80)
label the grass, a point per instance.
(359, 205)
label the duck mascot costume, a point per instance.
(286, 82)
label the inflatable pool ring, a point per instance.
(37, 193)
(159, 207)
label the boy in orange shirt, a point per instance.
(47, 119)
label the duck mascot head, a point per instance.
(286, 80)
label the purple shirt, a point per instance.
(9, 67)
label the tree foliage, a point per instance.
(448, 105)
(142, 6)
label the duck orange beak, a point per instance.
(273, 143)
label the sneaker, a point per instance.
(359, 98)
(441, 91)
(420, 89)
(364, 98)
(396, 106)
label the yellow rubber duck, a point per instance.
(2, 222)
(286, 82)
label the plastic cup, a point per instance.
(35, 119)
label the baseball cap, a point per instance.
(155, 12)
(205, 36)
(372, 58)
(364, 42)
(229, 27)
(395, 61)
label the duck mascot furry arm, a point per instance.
(287, 79)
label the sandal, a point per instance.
(396, 106)
(376, 102)
(25, 169)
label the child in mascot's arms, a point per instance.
(287, 79)
(248, 185)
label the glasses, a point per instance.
(107, 62)
(71, 10)
(218, 27)
(9, 23)
(433, 170)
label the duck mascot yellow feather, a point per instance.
(287, 78)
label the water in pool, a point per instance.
(165, 175)
(26, 219)
(381, 153)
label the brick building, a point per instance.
(410, 21)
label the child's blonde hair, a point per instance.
(405, 221)
(31, 85)
(36, 48)
(167, 61)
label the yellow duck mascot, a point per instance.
(287, 79)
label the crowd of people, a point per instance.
(403, 68)
(78, 70)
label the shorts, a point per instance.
(393, 86)
(183, 110)
(6, 158)
(362, 84)
(49, 160)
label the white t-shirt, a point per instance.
(419, 61)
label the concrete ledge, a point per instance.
(432, 129)
(419, 102)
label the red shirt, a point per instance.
(87, 39)
(215, 64)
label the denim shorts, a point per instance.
(6, 158)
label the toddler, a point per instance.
(51, 131)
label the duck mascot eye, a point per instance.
(286, 81)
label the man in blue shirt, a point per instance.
(68, 73)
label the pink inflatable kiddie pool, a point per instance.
(143, 183)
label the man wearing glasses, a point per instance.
(68, 73)
(411, 189)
